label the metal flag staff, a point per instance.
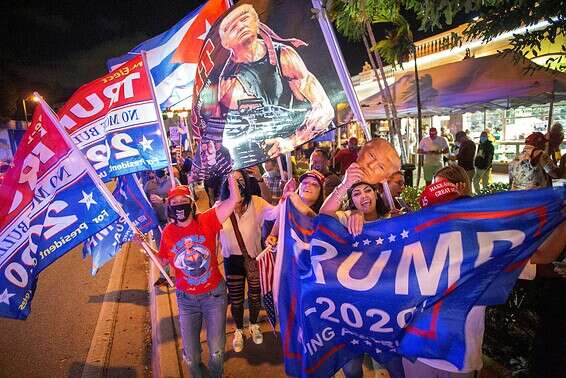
(107, 195)
(344, 76)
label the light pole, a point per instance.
(33, 98)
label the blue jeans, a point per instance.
(192, 310)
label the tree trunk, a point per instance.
(419, 115)
(396, 125)
(377, 77)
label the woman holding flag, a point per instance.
(189, 245)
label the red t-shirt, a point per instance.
(344, 158)
(191, 251)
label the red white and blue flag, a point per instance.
(50, 201)
(173, 55)
(266, 265)
(406, 284)
(115, 122)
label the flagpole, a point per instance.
(340, 65)
(159, 119)
(100, 185)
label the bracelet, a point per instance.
(340, 191)
(260, 180)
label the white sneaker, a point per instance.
(238, 341)
(257, 336)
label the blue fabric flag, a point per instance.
(104, 245)
(406, 285)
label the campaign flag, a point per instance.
(114, 121)
(105, 244)
(406, 284)
(49, 203)
(265, 84)
(173, 55)
(266, 265)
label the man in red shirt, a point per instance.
(346, 156)
(189, 245)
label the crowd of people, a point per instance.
(243, 215)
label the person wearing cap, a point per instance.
(188, 244)
(265, 67)
(555, 138)
(533, 168)
(432, 147)
(240, 239)
(482, 162)
(156, 189)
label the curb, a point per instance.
(96, 362)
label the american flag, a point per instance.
(266, 264)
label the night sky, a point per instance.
(55, 46)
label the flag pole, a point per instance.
(100, 185)
(160, 120)
(340, 66)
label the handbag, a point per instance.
(250, 263)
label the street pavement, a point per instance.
(56, 338)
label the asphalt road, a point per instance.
(55, 339)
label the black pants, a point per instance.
(237, 272)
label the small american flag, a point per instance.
(266, 264)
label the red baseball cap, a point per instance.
(181, 190)
(314, 174)
(439, 192)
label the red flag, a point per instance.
(191, 44)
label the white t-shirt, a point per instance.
(428, 144)
(474, 329)
(249, 224)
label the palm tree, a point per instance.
(397, 47)
(353, 19)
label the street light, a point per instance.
(33, 98)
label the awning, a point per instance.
(472, 84)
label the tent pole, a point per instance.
(550, 111)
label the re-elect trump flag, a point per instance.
(114, 121)
(406, 284)
(173, 55)
(265, 84)
(49, 203)
(107, 243)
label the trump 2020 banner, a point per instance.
(114, 121)
(49, 203)
(406, 284)
(265, 84)
(105, 244)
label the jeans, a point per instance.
(192, 310)
(483, 176)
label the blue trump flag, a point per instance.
(406, 285)
(50, 202)
(104, 245)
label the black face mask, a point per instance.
(181, 212)
(160, 173)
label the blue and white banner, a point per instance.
(173, 55)
(49, 203)
(406, 284)
(115, 122)
(104, 245)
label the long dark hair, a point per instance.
(244, 192)
(380, 206)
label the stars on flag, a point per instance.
(87, 200)
(5, 297)
(355, 342)
(146, 143)
(392, 238)
(206, 30)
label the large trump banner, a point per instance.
(114, 121)
(406, 284)
(265, 84)
(49, 203)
